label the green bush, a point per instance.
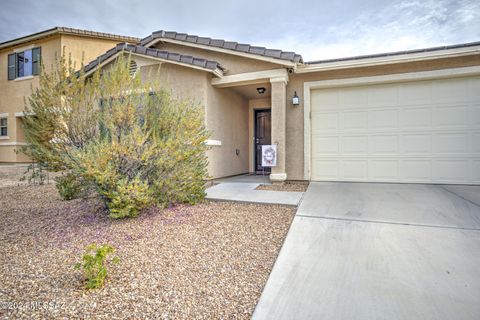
(69, 186)
(131, 142)
(94, 265)
(127, 198)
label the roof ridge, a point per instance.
(224, 44)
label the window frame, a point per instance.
(13, 64)
(4, 127)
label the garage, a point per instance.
(408, 131)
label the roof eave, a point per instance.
(217, 71)
(31, 37)
(283, 62)
(386, 59)
(66, 31)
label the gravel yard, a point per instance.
(287, 186)
(206, 261)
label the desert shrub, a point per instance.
(94, 265)
(131, 142)
(69, 186)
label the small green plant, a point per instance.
(69, 187)
(35, 174)
(94, 264)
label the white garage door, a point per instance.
(424, 131)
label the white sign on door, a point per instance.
(269, 155)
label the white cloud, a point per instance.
(402, 26)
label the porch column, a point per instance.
(279, 104)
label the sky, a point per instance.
(315, 29)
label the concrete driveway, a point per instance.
(379, 251)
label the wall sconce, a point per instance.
(295, 99)
(261, 90)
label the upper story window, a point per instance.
(3, 127)
(23, 64)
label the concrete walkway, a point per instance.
(245, 192)
(379, 251)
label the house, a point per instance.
(411, 116)
(20, 62)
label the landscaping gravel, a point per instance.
(287, 186)
(207, 261)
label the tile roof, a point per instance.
(397, 53)
(65, 30)
(219, 43)
(150, 52)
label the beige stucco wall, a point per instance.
(234, 64)
(227, 119)
(183, 82)
(85, 49)
(295, 134)
(13, 92)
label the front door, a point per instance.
(263, 132)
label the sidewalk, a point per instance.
(245, 192)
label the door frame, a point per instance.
(369, 80)
(255, 112)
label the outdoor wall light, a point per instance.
(295, 99)
(261, 90)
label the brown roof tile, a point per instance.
(172, 56)
(396, 53)
(219, 43)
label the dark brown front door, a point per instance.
(263, 132)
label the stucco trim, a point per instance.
(9, 144)
(250, 78)
(401, 77)
(226, 51)
(211, 142)
(376, 61)
(23, 78)
(283, 79)
(280, 177)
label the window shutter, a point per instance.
(36, 57)
(12, 66)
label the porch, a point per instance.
(244, 112)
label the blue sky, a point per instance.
(315, 29)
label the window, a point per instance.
(3, 127)
(23, 64)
